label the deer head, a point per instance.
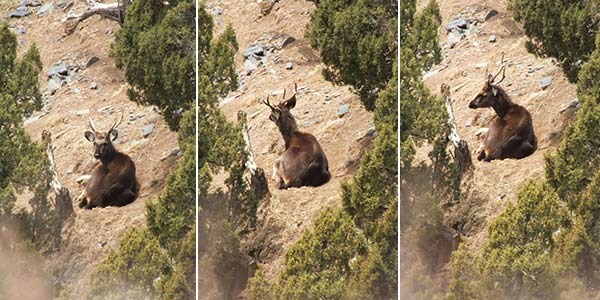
(280, 113)
(488, 95)
(103, 147)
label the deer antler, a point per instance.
(91, 123)
(117, 123)
(502, 69)
(267, 103)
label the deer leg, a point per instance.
(481, 155)
(82, 199)
(510, 146)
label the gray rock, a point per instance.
(457, 24)
(454, 38)
(58, 69)
(492, 39)
(21, 30)
(256, 50)
(93, 86)
(545, 82)
(92, 60)
(54, 84)
(343, 110)
(490, 14)
(65, 5)
(574, 105)
(250, 65)
(30, 3)
(21, 11)
(45, 9)
(147, 130)
(286, 41)
(289, 66)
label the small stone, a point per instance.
(45, 9)
(574, 105)
(83, 112)
(490, 14)
(253, 50)
(58, 69)
(250, 65)
(76, 90)
(83, 178)
(343, 110)
(217, 11)
(492, 39)
(54, 84)
(93, 86)
(454, 38)
(289, 66)
(545, 82)
(147, 130)
(286, 41)
(21, 11)
(458, 23)
(92, 60)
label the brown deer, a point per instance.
(303, 163)
(510, 133)
(113, 181)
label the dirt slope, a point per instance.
(493, 185)
(290, 212)
(91, 233)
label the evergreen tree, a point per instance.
(156, 49)
(563, 29)
(24, 165)
(358, 43)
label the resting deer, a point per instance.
(303, 163)
(113, 182)
(510, 133)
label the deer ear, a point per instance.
(89, 136)
(290, 103)
(495, 91)
(113, 134)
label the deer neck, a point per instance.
(502, 105)
(106, 159)
(287, 130)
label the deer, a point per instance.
(510, 133)
(113, 181)
(303, 163)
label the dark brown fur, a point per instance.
(510, 133)
(303, 163)
(113, 182)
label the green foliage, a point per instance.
(156, 49)
(358, 43)
(130, 271)
(562, 29)
(24, 165)
(318, 264)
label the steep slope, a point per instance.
(493, 185)
(288, 213)
(90, 234)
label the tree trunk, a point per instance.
(111, 11)
(62, 201)
(462, 156)
(258, 180)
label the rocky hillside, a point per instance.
(474, 35)
(79, 81)
(274, 54)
